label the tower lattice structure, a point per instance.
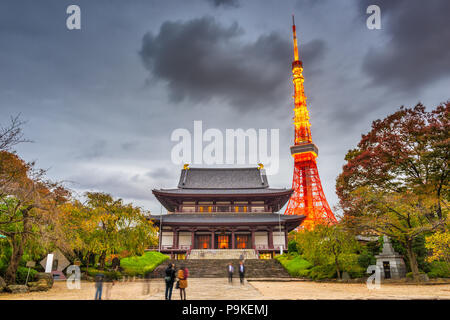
(308, 197)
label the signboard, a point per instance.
(31, 264)
(49, 264)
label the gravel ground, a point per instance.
(218, 288)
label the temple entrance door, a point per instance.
(203, 241)
(223, 241)
(387, 269)
(243, 241)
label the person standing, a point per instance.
(99, 285)
(230, 270)
(241, 271)
(182, 282)
(169, 279)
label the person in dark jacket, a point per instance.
(241, 271)
(99, 278)
(169, 279)
(230, 271)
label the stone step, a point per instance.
(222, 254)
(217, 268)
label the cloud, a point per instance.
(161, 173)
(418, 50)
(224, 3)
(201, 59)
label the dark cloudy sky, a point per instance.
(102, 102)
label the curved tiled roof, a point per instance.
(223, 191)
(223, 178)
(205, 219)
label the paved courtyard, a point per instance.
(218, 288)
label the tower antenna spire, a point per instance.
(295, 39)
(308, 197)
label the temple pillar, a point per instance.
(212, 239)
(285, 237)
(270, 238)
(174, 239)
(232, 239)
(177, 238)
(253, 238)
(192, 238)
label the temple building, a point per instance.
(223, 210)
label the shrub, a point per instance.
(140, 265)
(350, 263)
(410, 274)
(364, 260)
(304, 273)
(109, 275)
(21, 275)
(327, 271)
(292, 246)
(439, 269)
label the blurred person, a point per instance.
(99, 277)
(169, 279)
(241, 271)
(109, 284)
(230, 270)
(146, 287)
(182, 282)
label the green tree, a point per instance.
(328, 243)
(395, 182)
(103, 226)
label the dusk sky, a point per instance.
(102, 102)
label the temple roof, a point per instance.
(268, 191)
(223, 184)
(223, 178)
(206, 219)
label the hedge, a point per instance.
(140, 265)
(295, 265)
(439, 269)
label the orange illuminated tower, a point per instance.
(308, 198)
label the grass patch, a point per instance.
(295, 265)
(140, 265)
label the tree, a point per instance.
(12, 134)
(395, 182)
(103, 225)
(28, 209)
(327, 243)
(439, 245)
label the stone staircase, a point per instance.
(214, 254)
(217, 268)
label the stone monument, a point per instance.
(55, 263)
(390, 262)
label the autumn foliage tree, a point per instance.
(28, 209)
(28, 202)
(104, 225)
(395, 182)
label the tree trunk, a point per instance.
(338, 269)
(16, 255)
(101, 260)
(412, 261)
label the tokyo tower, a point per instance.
(308, 198)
